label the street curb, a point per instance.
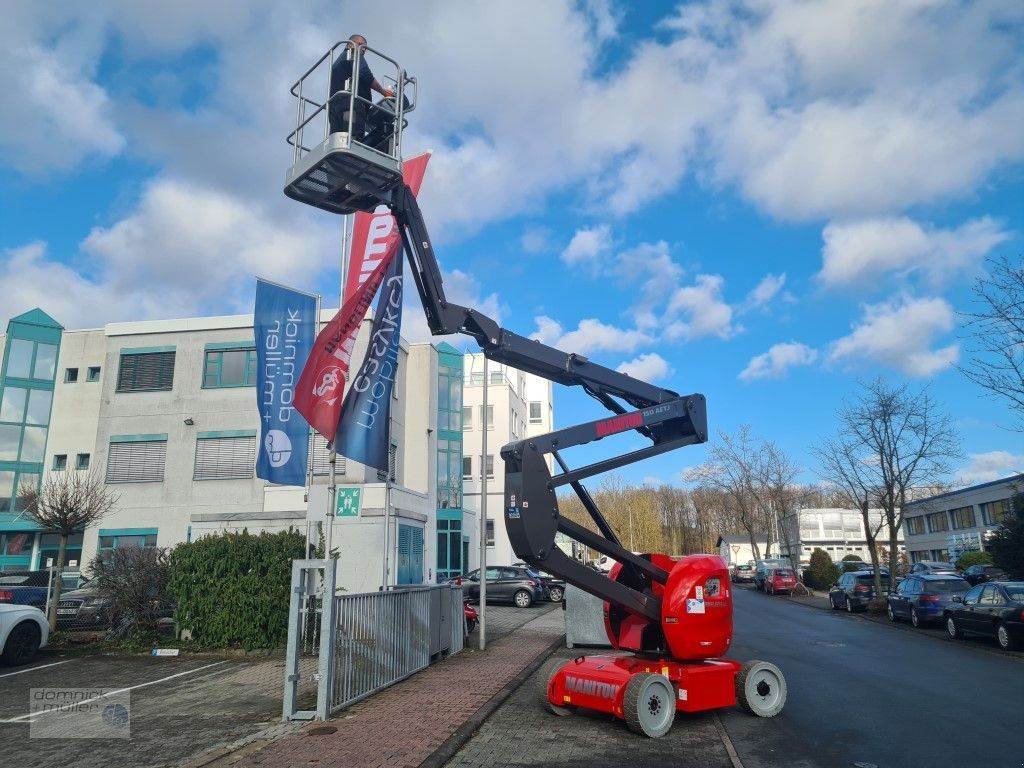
(451, 746)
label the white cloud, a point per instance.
(900, 334)
(460, 288)
(763, 293)
(647, 367)
(863, 251)
(535, 239)
(590, 335)
(588, 246)
(991, 465)
(700, 310)
(777, 361)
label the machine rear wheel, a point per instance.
(548, 671)
(761, 688)
(649, 704)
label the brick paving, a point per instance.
(403, 725)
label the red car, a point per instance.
(472, 617)
(780, 580)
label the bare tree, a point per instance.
(997, 334)
(777, 492)
(65, 504)
(903, 440)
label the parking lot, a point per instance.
(179, 707)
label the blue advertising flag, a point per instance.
(363, 430)
(285, 324)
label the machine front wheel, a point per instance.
(649, 704)
(761, 688)
(552, 667)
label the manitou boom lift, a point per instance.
(675, 614)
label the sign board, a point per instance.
(349, 502)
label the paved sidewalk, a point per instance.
(403, 725)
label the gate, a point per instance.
(344, 648)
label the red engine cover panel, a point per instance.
(696, 608)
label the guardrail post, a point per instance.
(328, 636)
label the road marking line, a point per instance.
(33, 669)
(28, 717)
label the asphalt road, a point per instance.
(865, 693)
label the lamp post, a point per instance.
(483, 515)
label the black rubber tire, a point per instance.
(648, 697)
(748, 695)
(953, 629)
(548, 671)
(556, 594)
(1004, 639)
(22, 644)
(522, 599)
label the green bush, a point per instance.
(852, 559)
(967, 559)
(233, 589)
(822, 572)
(1007, 541)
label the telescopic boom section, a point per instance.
(666, 419)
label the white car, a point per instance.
(23, 631)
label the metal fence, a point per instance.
(345, 649)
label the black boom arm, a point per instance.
(666, 419)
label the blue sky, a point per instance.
(762, 201)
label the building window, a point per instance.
(60, 462)
(12, 404)
(535, 411)
(320, 457)
(490, 533)
(963, 517)
(93, 373)
(31, 360)
(994, 512)
(467, 467)
(937, 521)
(139, 459)
(391, 475)
(229, 368)
(82, 461)
(915, 526)
(225, 457)
(449, 479)
(70, 375)
(490, 466)
(467, 417)
(490, 416)
(146, 371)
(39, 402)
(126, 537)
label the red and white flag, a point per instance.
(375, 242)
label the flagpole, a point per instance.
(483, 515)
(311, 437)
(333, 459)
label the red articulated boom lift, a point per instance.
(673, 614)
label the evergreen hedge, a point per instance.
(974, 557)
(232, 589)
(821, 573)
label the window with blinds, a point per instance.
(391, 475)
(146, 372)
(320, 457)
(225, 458)
(136, 462)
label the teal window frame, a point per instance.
(213, 367)
(93, 373)
(79, 463)
(116, 535)
(60, 462)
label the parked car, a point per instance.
(855, 590)
(83, 608)
(23, 631)
(934, 566)
(743, 572)
(995, 609)
(762, 566)
(846, 566)
(923, 597)
(981, 573)
(25, 588)
(778, 580)
(505, 584)
(553, 587)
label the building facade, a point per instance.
(519, 405)
(165, 413)
(840, 532)
(943, 526)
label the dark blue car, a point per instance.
(25, 588)
(922, 597)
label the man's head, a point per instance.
(355, 41)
